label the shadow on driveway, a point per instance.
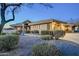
(68, 48)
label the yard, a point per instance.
(69, 45)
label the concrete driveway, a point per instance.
(74, 37)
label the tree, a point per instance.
(5, 6)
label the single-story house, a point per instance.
(44, 25)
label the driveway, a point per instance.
(69, 45)
(72, 37)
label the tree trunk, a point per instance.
(1, 27)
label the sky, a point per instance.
(60, 11)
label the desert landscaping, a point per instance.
(69, 45)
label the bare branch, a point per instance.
(12, 15)
(18, 4)
(4, 6)
(47, 5)
(8, 5)
(2, 12)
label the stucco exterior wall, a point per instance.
(39, 27)
(56, 26)
(66, 28)
(18, 28)
(34, 27)
(43, 27)
(51, 27)
(63, 27)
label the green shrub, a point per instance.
(8, 42)
(35, 32)
(52, 34)
(2, 33)
(46, 32)
(45, 50)
(28, 31)
(58, 33)
(20, 31)
(46, 37)
(15, 33)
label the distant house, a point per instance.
(8, 30)
(44, 25)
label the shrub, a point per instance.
(35, 32)
(27, 31)
(46, 32)
(2, 33)
(15, 33)
(8, 42)
(51, 33)
(58, 33)
(19, 31)
(45, 50)
(46, 37)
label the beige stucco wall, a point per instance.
(18, 28)
(60, 27)
(34, 27)
(69, 28)
(63, 27)
(43, 27)
(55, 27)
(39, 27)
(50, 26)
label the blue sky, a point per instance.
(60, 11)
